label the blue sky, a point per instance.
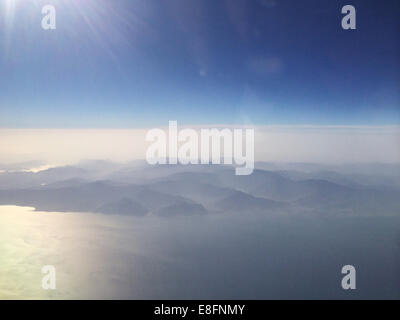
(113, 64)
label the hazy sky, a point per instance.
(317, 144)
(138, 63)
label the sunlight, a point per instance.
(10, 6)
(9, 12)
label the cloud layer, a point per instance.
(318, 144)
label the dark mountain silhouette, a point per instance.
(181, 209)
(170, 190)
(197, 191)
(90, 197)
(241, 202)
(124, 206)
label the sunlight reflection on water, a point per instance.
(77, 244)
(211, 257)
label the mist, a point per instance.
(315, 144)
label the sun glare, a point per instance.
(9, 11)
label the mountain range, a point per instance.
(139, 189)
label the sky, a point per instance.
(134, 64)
(305, 144)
